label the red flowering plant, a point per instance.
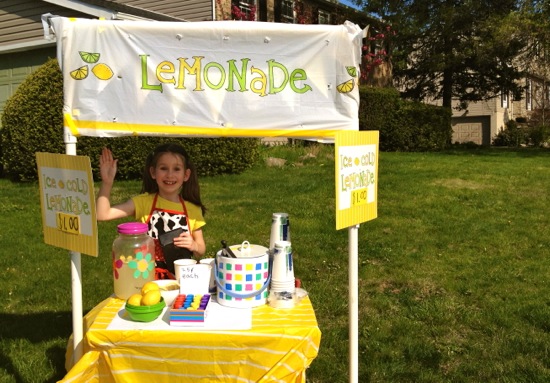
(245, 15)
(304, 14)
(236, 12)
(375, 52)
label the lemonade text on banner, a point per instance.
(208, 79)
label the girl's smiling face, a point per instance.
(170, 173)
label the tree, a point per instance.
(535, 28)
(452, 49)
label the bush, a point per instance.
(539, 135)
(428, 127)
(404, 125)
(512, 135)
(33, 122)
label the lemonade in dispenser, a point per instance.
(133, 259)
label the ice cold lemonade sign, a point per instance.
(356, 177)
(67, 201)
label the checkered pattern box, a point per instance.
(242, 282)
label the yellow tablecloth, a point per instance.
(281, 344)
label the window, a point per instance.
(528, 90)
(323, 17)
(287, 12)
(248, 8)
(504, 99)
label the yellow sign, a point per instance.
(356, 177)
(67, 202)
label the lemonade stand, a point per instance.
(196, 79)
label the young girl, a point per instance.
(170, 204)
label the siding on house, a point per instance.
(190, 10)
(21, 25)
(490, 115)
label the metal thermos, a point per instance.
(280, 230)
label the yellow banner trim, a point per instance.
(70, 124)
(149, 129)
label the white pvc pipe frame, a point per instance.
(76, 273)
(353, 238)
(353, 283)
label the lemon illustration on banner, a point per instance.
(80, 73)
(352, 71)
(90, 58)
(100, 70)
(348, 86)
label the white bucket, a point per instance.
(242, 282)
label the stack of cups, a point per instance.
(282, 273)
(280, 230)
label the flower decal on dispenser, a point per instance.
(117, 264)
(143, 264)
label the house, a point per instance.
(23, 47)
(481, 121)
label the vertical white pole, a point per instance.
(76, 273)
(353, 278)
(76, 283)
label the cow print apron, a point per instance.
(163, 226)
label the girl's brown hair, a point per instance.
(190, 190)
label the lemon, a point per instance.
(150, 298)
(134, 300)
(346, 87)
(148, 287)
(80, 73)
(90, 58)
(102, 71)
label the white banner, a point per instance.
(211, 79)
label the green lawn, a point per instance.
(454, 272)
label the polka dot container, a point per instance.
(242, 282)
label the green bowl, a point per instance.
(145, 313)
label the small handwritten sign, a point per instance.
(69, 223)
(194, 279)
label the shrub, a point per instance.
(539, 135)
(512, 135)
(404, 125)
(33, 122)
(428, 127)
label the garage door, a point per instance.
(472, 129)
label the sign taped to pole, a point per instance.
(208, 79)
(356, 171)
(67, 202)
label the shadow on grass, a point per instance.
(497, 151)
(36, 328)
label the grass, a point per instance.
(454, 273)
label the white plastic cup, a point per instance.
(179, 264)
(210, 262)
(287, 286)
